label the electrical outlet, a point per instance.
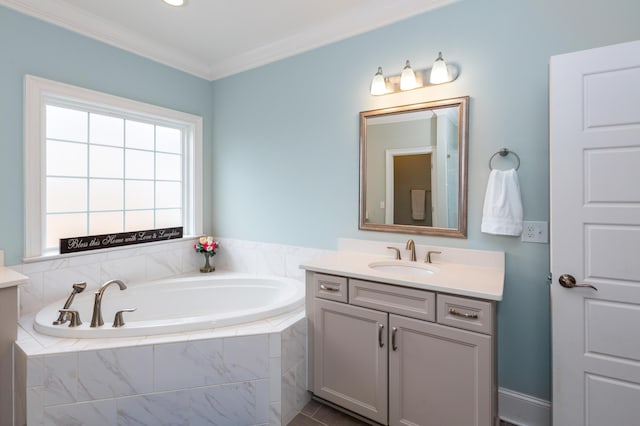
(535, 232)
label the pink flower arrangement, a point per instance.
(206, 245)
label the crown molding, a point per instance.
(359, 20)
(87, 24)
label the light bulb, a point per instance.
(408, 78)
(378, 84)
(439, 71)
(175, 2)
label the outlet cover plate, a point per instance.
(535, 232)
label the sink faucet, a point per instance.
(96, 319)
(397, 250)
(429, 253)
(412, 246)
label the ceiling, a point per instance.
(216, 38)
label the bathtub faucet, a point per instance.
(96, 319)
(65, 316)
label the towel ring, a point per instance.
(503, 153)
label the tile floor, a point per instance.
(318, 414)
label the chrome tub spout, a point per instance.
(96, 319)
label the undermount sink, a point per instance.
(399, 267)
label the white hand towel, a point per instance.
(418, 197)
(502, 211)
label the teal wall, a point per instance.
(30, 46)
(281, 141)
(286, 139)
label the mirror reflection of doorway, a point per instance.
(411, 183)
(412, 190)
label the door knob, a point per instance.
(568, 281)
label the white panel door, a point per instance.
(595, 235)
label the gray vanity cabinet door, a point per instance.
(438, 375)
(350, 358)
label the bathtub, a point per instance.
(180, 304)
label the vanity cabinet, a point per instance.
(438, 375)
(350, 358)
(402, 356)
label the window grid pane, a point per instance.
(64, 226)
(66, 124)
(133, 176)
(66, 158)
(106, 130)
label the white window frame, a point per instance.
(38, 91)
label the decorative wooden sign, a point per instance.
(93, 242)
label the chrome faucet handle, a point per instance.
(118, 320)
(72, 315)
(397, 252)
(62, 317)
(429, 253)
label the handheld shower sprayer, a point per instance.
(77, 288)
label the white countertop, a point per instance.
(11, 278)
(473, 279)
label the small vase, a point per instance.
(207, 266)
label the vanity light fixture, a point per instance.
(176, 3)
(379, 83)
(441, 72)
(408, 78)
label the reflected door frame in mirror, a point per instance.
(399, 113)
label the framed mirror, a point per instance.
(413, 168)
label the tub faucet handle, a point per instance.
(118, 320)
(72, 315)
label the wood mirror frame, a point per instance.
(405, 114)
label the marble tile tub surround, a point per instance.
(254, 374)
(51, 280)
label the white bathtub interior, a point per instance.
(178, 304)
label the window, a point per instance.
(99, 164)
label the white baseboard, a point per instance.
(523, 410)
